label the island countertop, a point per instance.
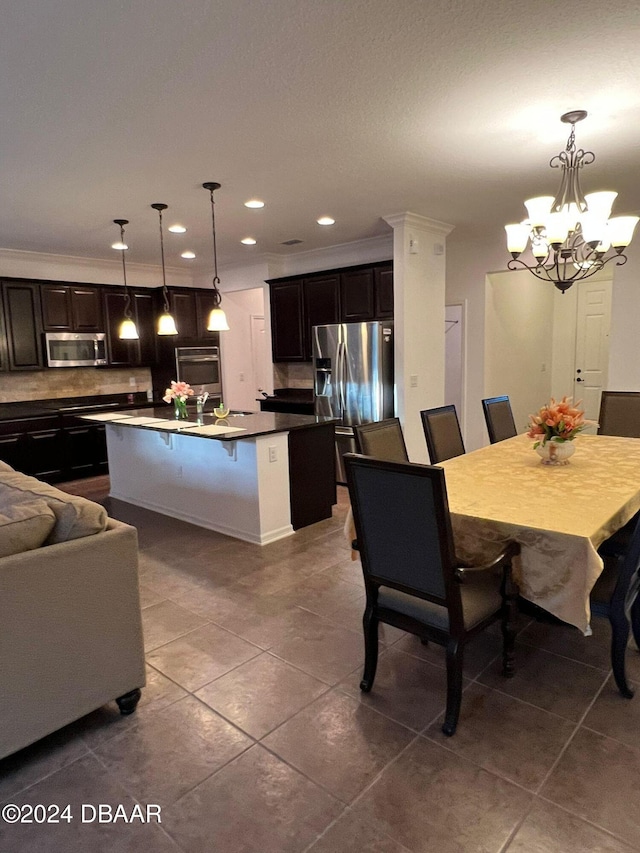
(234, 427)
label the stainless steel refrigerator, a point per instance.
(353, 378)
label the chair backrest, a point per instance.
(620, 413)
(499, 418)
(442, 431)
(382, 440)
(402, 521)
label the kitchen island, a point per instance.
(256, 477)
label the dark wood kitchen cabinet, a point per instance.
(34, 446)
(287, 321)
(191, 308)
(357, 300)
(85, 448)
(22, 325)
(321, 304)
(130, 353)
(383, 289)
(71, 308)
(350, 295)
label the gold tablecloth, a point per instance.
(560, 515)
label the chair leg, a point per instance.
(509, 619)
(635, 621)
(455, 653)
(370, 626)
(620, 630)
(619, 637)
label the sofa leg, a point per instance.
(128, 702)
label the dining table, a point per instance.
(559, 514)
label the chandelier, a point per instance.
(571, 236)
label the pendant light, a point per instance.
(127, 330)
(166, 323)
(217, 321)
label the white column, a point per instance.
(419, 300)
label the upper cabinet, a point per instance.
(350, 295)
(22, 344)
(135, 353)
(287, 321)
(71, 308)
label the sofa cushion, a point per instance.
(4, 466)
(75, 516)
(25, 526)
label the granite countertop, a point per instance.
(235, 426)
(290, 395)
(70, 405)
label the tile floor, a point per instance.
(252, 734)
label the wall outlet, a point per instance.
(179, 473)
(413, 380)
(242, 377)
(132, 381)
(273, 454)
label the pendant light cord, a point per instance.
(216, 280)
(127, 298)
(165, 294)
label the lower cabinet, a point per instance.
(54, 448)
(85, 451)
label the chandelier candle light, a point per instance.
(127, 330)
(217, 321)
(571, 235)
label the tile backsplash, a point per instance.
(71, 382)
(292, 374)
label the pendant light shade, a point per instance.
(217, 321)
(166, 323)
(127, 330)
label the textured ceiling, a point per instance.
(351, 108)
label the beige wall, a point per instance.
(518, 341)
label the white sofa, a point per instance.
(70, 626)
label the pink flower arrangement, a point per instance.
(178, 394)
(557, 422)
(178, 391)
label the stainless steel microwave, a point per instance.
(75, 349)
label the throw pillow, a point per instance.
(25, 526)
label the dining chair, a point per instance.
(442, 432)
(412, 578)
(615, 596)
(382, 440)
(620, 413)
(499, 418)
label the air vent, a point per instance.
(290, 242)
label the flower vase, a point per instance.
(180, 409)
(555, 452)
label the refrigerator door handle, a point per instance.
(341, 370)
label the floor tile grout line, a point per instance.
(572, 735)
(586, 820)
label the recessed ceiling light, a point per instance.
(254, 202)
(119, 246)
(188, 255)
(248, 241)
(326, 220)
(177, 228)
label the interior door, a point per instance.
(260, 356)
(592, 344)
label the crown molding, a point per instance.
(415, 220)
